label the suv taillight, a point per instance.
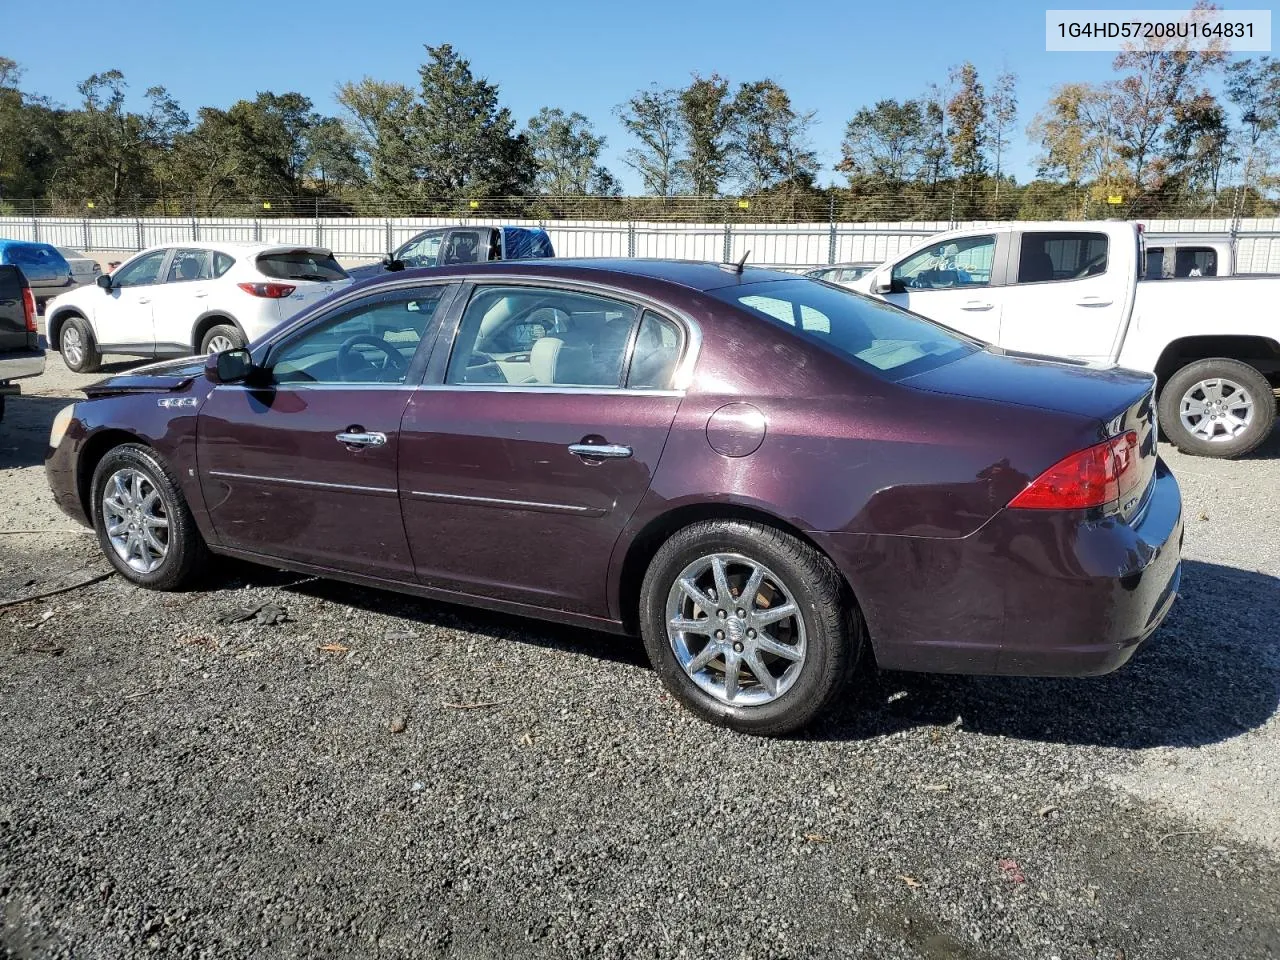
(29, 309)
(272, 291)
(1091, 477)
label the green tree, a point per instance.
(111, 152)
(1199, 144)
(1253, 87)
(1076, 134)
(1002, 116)
(464, 142)
(768, 140)
(967, 130)
(705, 115)
(333, 156)
(210, 163)
(885, 142)
(653, 117)
(566, 152)
(31, 137)
(274, 131)
(380, 116)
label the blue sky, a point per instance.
(832, 57)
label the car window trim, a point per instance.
(421, 356)
(691, 336)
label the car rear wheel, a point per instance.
(143, 522)
(1217, 408)
(747, 626)
(222, 337)
(78, 348)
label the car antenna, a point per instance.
(743, 262)
(736, 267)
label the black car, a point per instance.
(443, 246)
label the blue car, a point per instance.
(46, 270)
(442, 246)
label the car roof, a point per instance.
(25, 243)
(698, 275)
(236, 247)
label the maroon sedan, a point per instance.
(762, 476)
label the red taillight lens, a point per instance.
(1092, 477)
(29, 308)
(272, 291)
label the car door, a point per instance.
(956, 282)
(122, 316)
(301, 464)
(181, 298)
(1068, 295)
(517, 480)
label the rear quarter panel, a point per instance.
(845, 451)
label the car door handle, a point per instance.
(361, 439)
(203, 293)
(1092, 302)
(144, 300)
(600, 451)
(977, 305)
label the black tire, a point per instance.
(186, 553)
(1183, 385)
(227, 330)
(88, 358)
(832, 626)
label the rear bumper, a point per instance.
(16, 364)
(1030, 593)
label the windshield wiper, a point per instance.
(310, 276)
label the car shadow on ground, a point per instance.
(1211, 673)
(24, 431)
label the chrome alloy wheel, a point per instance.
(220, 343)
(736, 629)
(72, 346)
(136, 521)
(1216, 409)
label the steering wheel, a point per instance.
(351, 363)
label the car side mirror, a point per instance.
(392, 264)
(882, 283)
(104, 281)
(229, 366)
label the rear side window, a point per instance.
(221, 263)
(1155, 264)
(1048, 257)
(874, 335)
(465, 246)
(301, 265)
(1195, 262)
(189, 265)
(656, 353)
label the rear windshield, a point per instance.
(301, 265)
(873, 334)
(34, 255)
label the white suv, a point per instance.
(195, 298)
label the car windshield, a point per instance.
(875, 335)
(301, 265)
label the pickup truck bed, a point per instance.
(21, 353)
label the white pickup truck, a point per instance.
(1071, 289)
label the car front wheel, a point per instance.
(748, 627)
(1217, 408)
(143, 522)
(78, 348)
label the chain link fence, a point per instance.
(725, 232)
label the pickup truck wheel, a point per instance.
(1217, 408)
(77, 346)
(222, 337)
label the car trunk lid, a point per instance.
(312, 272)
(1116, 399)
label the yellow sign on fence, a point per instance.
(1114, 199)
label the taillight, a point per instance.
(272, 291)
(1091, 477)
(29, 308)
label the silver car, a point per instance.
(84, 269)
(842, 273)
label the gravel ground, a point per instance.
(382, 777)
